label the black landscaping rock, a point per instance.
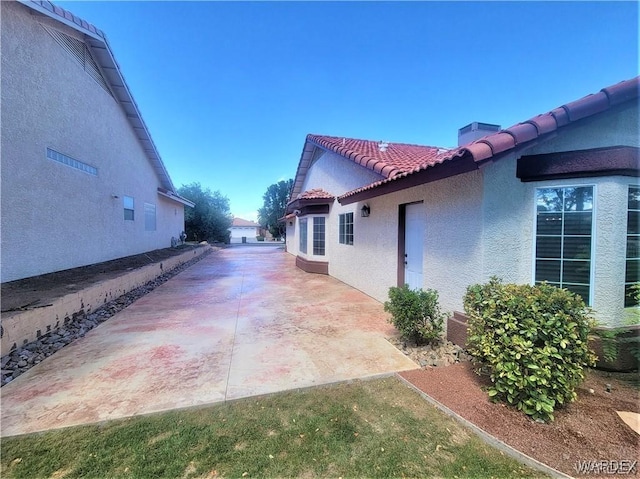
(20, 360)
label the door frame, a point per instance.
(402, 222)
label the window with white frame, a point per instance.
(632, 273)
(127, 202)
(564, 225)
(318, 235)
(149, 217)
(303, 236)
(345, 230)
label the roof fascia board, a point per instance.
(616, 160)
(40, 9)
(176, 198)
(122, 93)
(306, 156)
(437, 172)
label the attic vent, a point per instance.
(79, 51)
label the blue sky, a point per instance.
(229, 90)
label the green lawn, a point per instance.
(375, 428)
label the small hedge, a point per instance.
(415, 313)
(532, 340)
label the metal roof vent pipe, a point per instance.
(475, 131)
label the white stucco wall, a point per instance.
(620, 127)
(248, 232)
(479, 224)
(452, 248)
(336, 175)
(54, 216)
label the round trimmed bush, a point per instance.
(415, 313)
(532, 340)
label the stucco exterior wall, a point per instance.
(248, 232)
(509, 209)
(452, 242)
(618, 127)
(336, 175)
(509, 233)
(54, 216)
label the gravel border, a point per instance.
(24, 358)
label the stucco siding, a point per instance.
(54, 216)
(452, 242)
(239, 232)
(509, 233)
(620, 126)
(337, 175)
(507, 237)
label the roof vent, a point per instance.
(474, 131)
(382, 146)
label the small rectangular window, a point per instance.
(149, 217)
(128, 208)
(318, 236)
(303, 236)
(345, 231)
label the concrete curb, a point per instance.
(22, 327)
(488, 438)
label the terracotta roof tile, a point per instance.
(499, 142)
(545, 123)
(523, 132)
(480, 150)
(241, 222)
(622, 92)
(315, 194)
(417, 158)
(387, 161)
(559, 117)
(587, 106)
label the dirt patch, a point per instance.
(39, 291)
(587, 430)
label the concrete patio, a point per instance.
(241, 322)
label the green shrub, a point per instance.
(415, 313)
(532, 340)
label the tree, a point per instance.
(275, 203)
(210, 219)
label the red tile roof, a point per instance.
(315, 194)
(387, 161)
(492, 146)
(241, 222)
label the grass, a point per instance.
(375, 428)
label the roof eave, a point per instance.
(102, 52)
(452, 167)
(175, 197)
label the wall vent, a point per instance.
(80, 53)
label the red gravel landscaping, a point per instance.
(587, 430)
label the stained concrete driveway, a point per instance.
(243, 321)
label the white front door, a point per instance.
(414, 230)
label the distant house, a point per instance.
(555, 198)
(82, 181)
(243, 231)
